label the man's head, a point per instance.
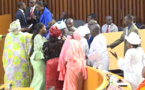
(134, 19)
(91, 22)
(40, 6)
(95, 30)
(21, 5)
(63, 15)
(128, 20)
(143, 72)
(91, 17)
(32, 3)
(108, 20)
(70, 23)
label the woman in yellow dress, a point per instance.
(16, 56)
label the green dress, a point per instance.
(38, 64)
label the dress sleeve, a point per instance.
(125, 64)
(38, 45)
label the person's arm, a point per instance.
(27, 13)
(48, 18)
(125, 64)
(117, 42)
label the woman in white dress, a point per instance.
(133, 62)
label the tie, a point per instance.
(31, 12)
(107, 29)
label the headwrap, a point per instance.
(133, 38)
(83, 31)
(54, 31)
(61, 25)
(77, 36)
(15, 27)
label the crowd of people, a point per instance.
(45, 53)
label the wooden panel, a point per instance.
(5, 21)
(80, 9)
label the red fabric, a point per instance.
(54, 31)
(141, 85)
(107, 29)
(52, 75)
(31, 12)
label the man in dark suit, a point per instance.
(31, 13)
(21, 15)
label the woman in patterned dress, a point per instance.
(37, 57)
(15, 56)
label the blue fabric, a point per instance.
(45, 18)
(90, 40)
(138, 25)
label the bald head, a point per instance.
(143, 72)
(70, 23)
(95, 30)
(91, 22)
(32, 3)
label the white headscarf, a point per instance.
(83, 31)
(15, 27)
(133, 38)
(60, 25)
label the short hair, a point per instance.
(40, 3)
(92, 16)
(19, 4)
(129, 17)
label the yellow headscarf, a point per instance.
(15, 27)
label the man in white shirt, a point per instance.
(98, 54)
(109, 26)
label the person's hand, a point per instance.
(3, 36)
(114, 54)
(24, 29)
(86, 57)
(33, 16)
(28, 18)
(108, 46)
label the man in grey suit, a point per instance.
(130, 27)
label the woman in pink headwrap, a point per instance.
(52, 50)
(72, 66)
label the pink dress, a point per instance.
(75, 70)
